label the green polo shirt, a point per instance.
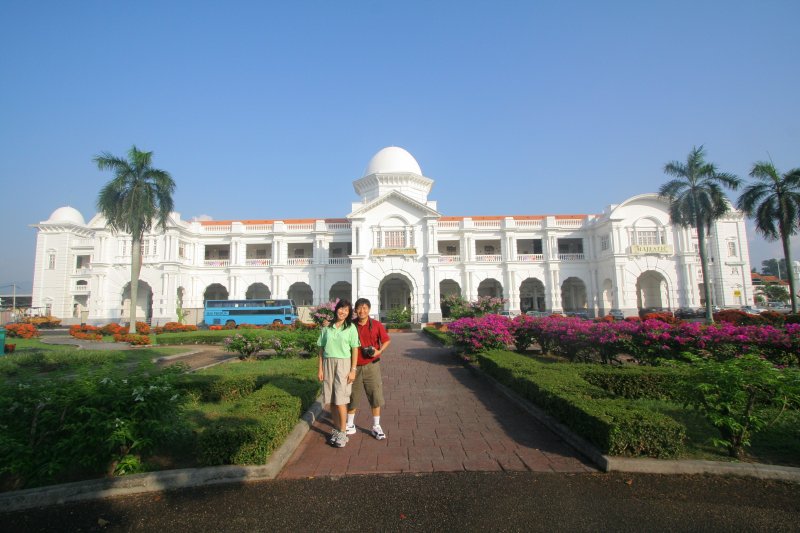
(338, 342)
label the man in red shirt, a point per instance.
(374, 341)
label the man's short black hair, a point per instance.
(362, 301)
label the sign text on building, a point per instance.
(394, 251)
(641, 249)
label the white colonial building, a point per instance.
(395, 248)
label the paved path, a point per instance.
(438, 417)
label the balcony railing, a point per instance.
(488, 258)
(449, 224)
(258, 262)
(298, 261)
(569, 222)
(300, 227)
(216, 262)
(216, 228)
(528, 223)
(571, 257)
(449, 259)
(258, 228)
(81, 288)
(487, 224)
(338, 225)
(339, 261)
(83, 271)
(530, 257)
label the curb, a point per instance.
(165, 480)
(609, 463)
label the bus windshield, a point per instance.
(257, 312)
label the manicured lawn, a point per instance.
(32, 357)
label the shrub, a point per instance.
(439, 335)
(615, 426)
(323, 312)
(43, 321)
(95, 422)
(211, 388)
(484, 333)
(215, 327)
(251, 430)
(246, 344)
(284, 347)
(632, 383)
(730, 394)
(173, 327)
(136, 340)
(398, 316)
(22, 331)
(114, 329)
(87, 336)
(773, 317)
(792, 318)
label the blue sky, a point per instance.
(271, 110)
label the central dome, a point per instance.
(393, 160)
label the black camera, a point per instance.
(368, 351)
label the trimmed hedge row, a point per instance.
(306, 339)
(615, 426)
(635, 383)
(441, 336)
(210, 388)
(251, 430)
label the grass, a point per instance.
(33, 358)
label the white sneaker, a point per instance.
(377, 432)
(350, 429)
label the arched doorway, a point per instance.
(215, 291)
(490, 287)
(573, 295)
(396, 292)
(301, 293)
(448, 288)
(144, 301)
(257, 291)
(341, 290)
(531, 295)
(651, 290)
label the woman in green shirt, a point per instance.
(338, 357)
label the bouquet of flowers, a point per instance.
(324, 312)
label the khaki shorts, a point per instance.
(335, 388)
(368, 377)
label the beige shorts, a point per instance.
(368, 377)
(335, 388)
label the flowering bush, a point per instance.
(215, 327)
(284, 347)
(173, 327)
(245, 344)
(136, 340)
(324, 312)
(113, 329)
(43, 321)
(485, 305)
(23, 331)
(142, 328)
(482, 333)
(87, 336)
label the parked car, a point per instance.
(750, 310)
(616, 314)
(687, 312)
(647, 310)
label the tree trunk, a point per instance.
(136, 267)
(787, 253)
(701, 237)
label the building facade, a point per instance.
(397, 249)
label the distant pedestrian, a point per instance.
(374, 341)
(338, 355)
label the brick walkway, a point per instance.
(438, 417)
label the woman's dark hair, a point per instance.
(347, 321)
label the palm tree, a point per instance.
(775, 198)
(131, 201)
(696, 199)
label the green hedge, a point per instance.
(615, 426)
(210, 388)
(251, 430)
(305, 338)
(440, 336)
(634, 383)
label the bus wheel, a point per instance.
(230, 323)
(277, 322)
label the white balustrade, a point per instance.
(216, 262)
(258, 228)
(449, 224)
(528, 223)
(571, 257)
(300, 227)
(216, 228)
(569, 222)
(299, 261)
(339, 261)
(530, 257)
(257, 262)
(449, 258)
(338, 225)
(488, 258)
(492, 224)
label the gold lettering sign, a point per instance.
(641, 249)
(394, 251)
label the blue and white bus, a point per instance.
(256, 312)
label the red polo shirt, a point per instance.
(375, 335)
